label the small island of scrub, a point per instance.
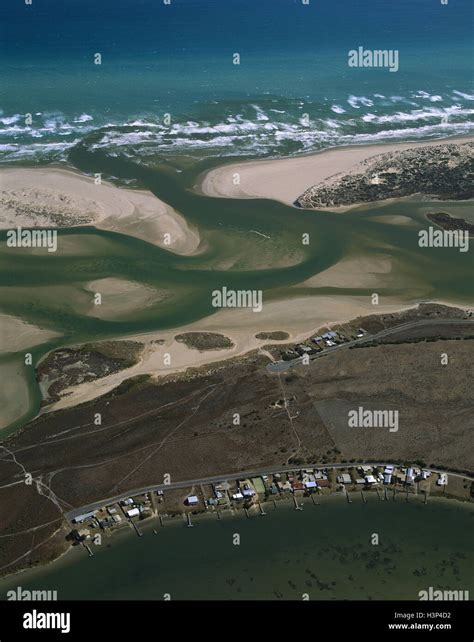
(204, 341)
(451, 223)
(442, 171)
(278, 335)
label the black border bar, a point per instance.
(236, 621)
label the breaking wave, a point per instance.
(270, 126)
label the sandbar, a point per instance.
(55, 197)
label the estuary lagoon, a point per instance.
(324, 551)
(246, 244)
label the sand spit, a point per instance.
(54, 197)
(163, 355)
(287, 178)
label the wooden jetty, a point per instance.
(297, 506)
(137, 530)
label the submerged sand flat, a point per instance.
(287, 178)
(354, 272)
(14, 393)
(16, 334)
(121, 297)
(52, 197)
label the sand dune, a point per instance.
(287, 178)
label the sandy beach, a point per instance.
(54, 197)
(287, 178)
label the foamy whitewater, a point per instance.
(254, 130)
(173, 90)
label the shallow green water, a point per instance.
(324, 551)
(46, 289)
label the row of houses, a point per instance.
(115, 515)
(319, 342)
(248, 491)
(135, 506)
(306, 481)
(389, 474)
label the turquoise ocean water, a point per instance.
(178, 59)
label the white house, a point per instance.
(345, 478)
(443, 479)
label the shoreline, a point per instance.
(244, 340)
(176, 520)
(285, 179)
